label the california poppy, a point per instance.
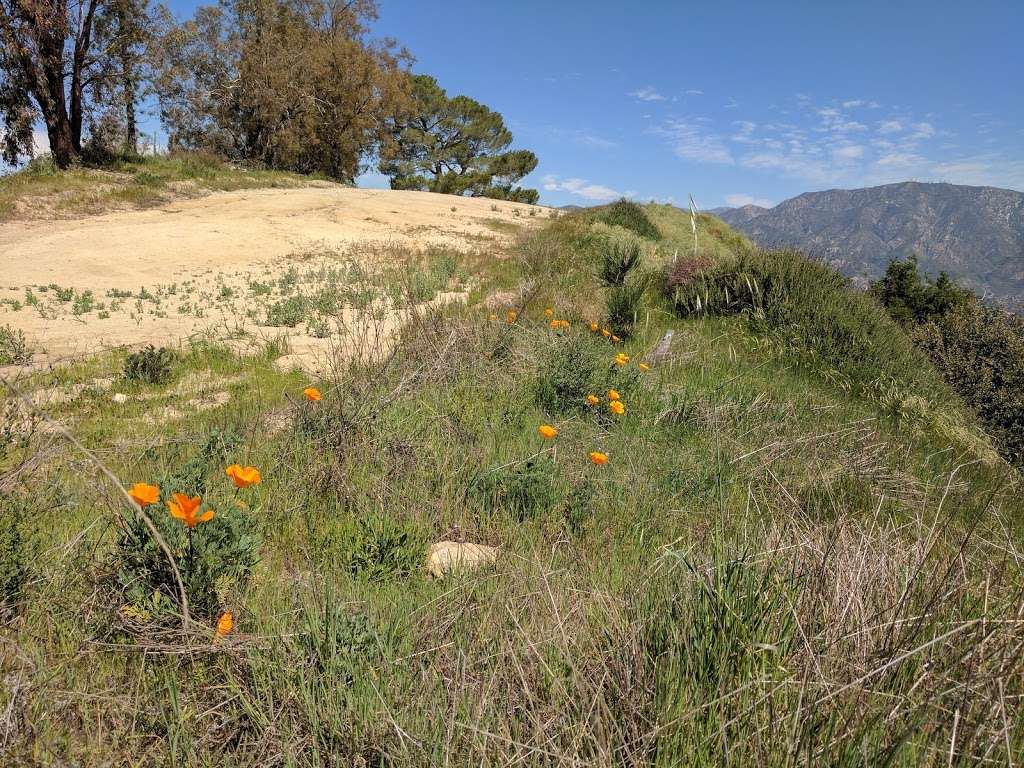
(593, 400)
(186, 509)
(616, 407)
(312, 394)
(144, 494)
(547, 431)
(225, 624)
(605, 332)
(492, 316)
(243, 477)
(594, 327)
(549, 312)
(644, 366)
(596, 457)
(621, 359)
(555, 325)
(614, 395)
(512, 315)
(615, 339)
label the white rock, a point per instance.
(119, 397)
(447, 556)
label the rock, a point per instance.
(119, 397)
(445, 557)
(661, 352)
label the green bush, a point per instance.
(383, 548)
(149, 365)
(813, 310)
(14, 558)
(524, 490)
(911, 298)
(566, 375)
(287, 312)
(629, 215)
(979, 351)
(617, 261)
(14, 349)
(215, 560)
(622, 304)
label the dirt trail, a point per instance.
(201, 252)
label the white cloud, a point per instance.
(694, 92)
(890, 126)
(739, 199)
(899, 160)
(580, 188)
(648, 93)
(595, 142)
(744, 132)
(848, 152)
(922, 131)
(691, 141)
(853, 103)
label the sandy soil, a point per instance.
(222, 242)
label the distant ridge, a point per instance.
(974, 233)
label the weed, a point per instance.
(14, 349)
(149, 365)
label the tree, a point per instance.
(60, 61)
(911, 299)
(454, 145)
(291, 84)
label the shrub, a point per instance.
(149, 365)
(566, 375)
(617, 261)
(526, 490)
(622, 304)
(979, 351)
(629, 215)
(287, 312)
(14, 557)
(813, 309)
(383, 548)
(913, 299)
(14, 349)
(215, 564)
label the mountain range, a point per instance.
(976, 234)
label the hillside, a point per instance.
(686, 531)
(976, 234)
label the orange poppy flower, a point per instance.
(614, 395)
(616, 407)
(621, 359)
(549, 312)
(605, 332)
(492, 316)
(225, 624)
(555, 325)
(547, 431)
(596, 457)
(187, 510)
(144, 494)
(615, 339)
(644, 366)
(312, 394)
(593, 400)
(243, 477)
(594, 327)
(512, 315)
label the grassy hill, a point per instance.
(801, 549)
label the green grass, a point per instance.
(40, 189)
(772, 569)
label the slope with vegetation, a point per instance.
(786, 544)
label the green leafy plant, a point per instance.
(14, 555)
(618, 260)
(525, 490)
(629, 215)
(566, 375)
(622, 303)
(383, 548)
(149, 365)
(287, 312)
(14, 350)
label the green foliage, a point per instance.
(525, 490)
(617, 260)
(911, 299)
(287, 312)
(334, 643)
(14, 350)
(14, 554)
(622, 303)
(454, 145)
(566, 375)
(979, 351)
(812, 311)
(149, 365)
(383, 548)
(215, 559)
(629, 215)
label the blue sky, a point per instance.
(733, 102)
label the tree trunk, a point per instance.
(62, 147)
(131, 134)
